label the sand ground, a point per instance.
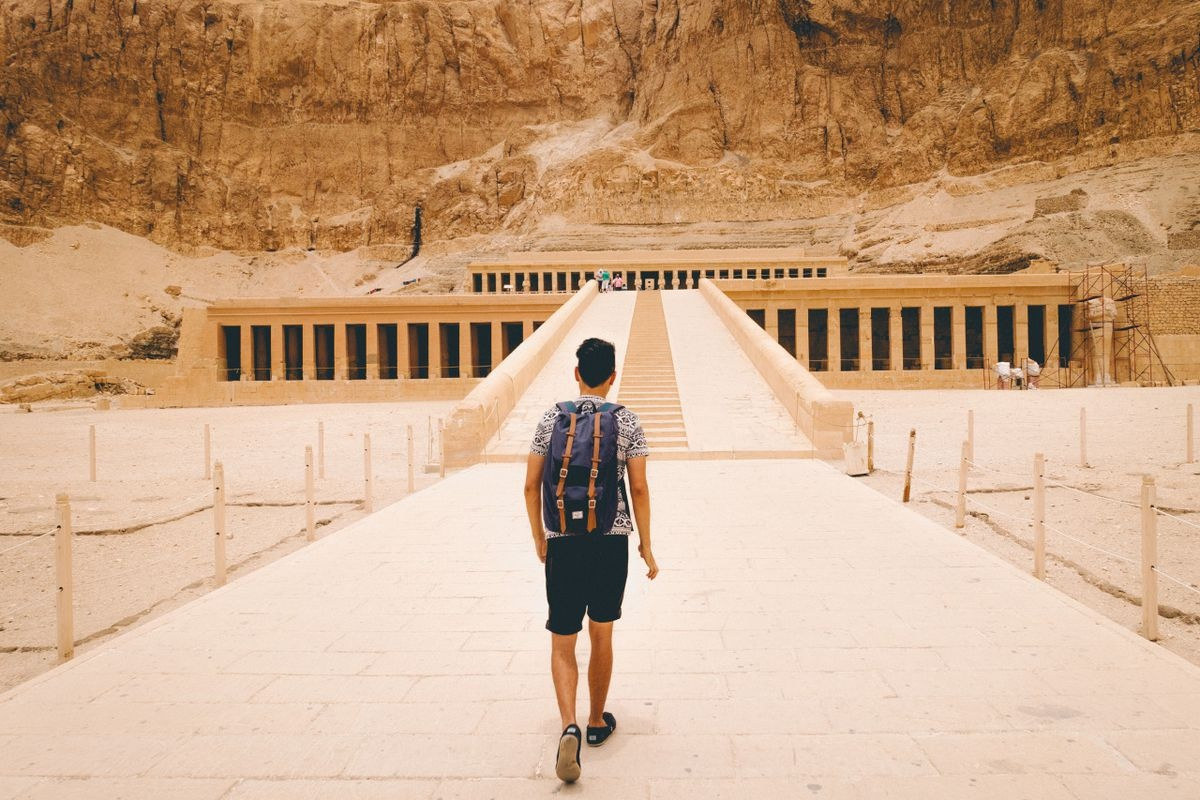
(145, 525)
(1093, 544)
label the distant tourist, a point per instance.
(1003, 370)
(605, 282)
(618, 282)
(579, 512)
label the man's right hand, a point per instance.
(648, 557)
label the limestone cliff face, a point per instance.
(262, 125)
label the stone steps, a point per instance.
(648, 383)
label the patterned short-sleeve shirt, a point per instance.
(631, 443)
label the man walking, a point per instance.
(579, 513)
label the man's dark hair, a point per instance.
(597, 361)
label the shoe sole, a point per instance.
(567, 766)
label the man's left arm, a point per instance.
(533, 502)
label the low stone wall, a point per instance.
(826, 421)
(152, 373)
(479, 416)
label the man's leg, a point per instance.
(565, 671)
(599, 670)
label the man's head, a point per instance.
(597, 364)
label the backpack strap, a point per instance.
(596, 418)
(562, 475)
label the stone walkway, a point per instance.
(718, 384)
(806, 638)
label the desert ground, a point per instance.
(1093, 524)
(146, 525)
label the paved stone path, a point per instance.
(806, 638)
(717, 384)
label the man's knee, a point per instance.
(562, 644)
(600, 631)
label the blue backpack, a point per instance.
(579, 480)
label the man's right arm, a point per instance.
(639, 497)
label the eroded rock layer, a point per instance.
(265, 125)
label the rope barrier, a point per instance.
(1180, 520)
(157, 517)
(29, 541)
(970, 499)
(1057, 485)
(1173, 579)
(1066, 535)
(998, 472)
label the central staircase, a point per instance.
(648, 384)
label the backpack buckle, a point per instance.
(595, 474)
(560, 502)
(592, 503)
(562, 473)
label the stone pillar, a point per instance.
(278, 349)
(371, 331)
(402, 368)
(802, 335)
(435, 349)
(771, 312)
(958, 336)
(247, 349)
(896, 337)
(465, 368)
(927, 342)
(990, 335)
(866, 360)
(1020, 334)
(308, 346)
(835, 339)
(498, 343)
(526, 330)
(339, 351)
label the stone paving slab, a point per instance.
(806, 638)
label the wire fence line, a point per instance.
(1190, 587)
(29, 541)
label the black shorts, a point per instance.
(585, 573)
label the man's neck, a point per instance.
(594, 391)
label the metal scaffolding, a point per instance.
(1130, 352)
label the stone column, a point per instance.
(465, 368)
(896, 337)
(927, 341)
(835, 339)
(958, 336)
(497, 342)
(371, 331)
(526, 329)
(278, 352)
(339, 351)
(1020, 334)
(435, 350)
(308, 347)
(246, 344)
(771, 323)
(866, 360)
(990, 335)
(402, 368)
(802, 335)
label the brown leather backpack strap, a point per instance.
(595, 471)
(562, 476)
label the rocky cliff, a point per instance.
(319, 124)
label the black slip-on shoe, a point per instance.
(598, 736)
(567, 766)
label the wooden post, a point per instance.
(368, 500)
(66, 584)
(442, 448)
(321, 449)
(1191, 436)
(1149, 560)
(411, 482)
(960, 509)
(1039, 516)
(971, 434)
(92, 453)
(1083, 462)
(207, 452)
(912, 446)
(870, 446)
(310, 522)
(219, 523)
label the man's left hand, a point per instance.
(539, 546)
